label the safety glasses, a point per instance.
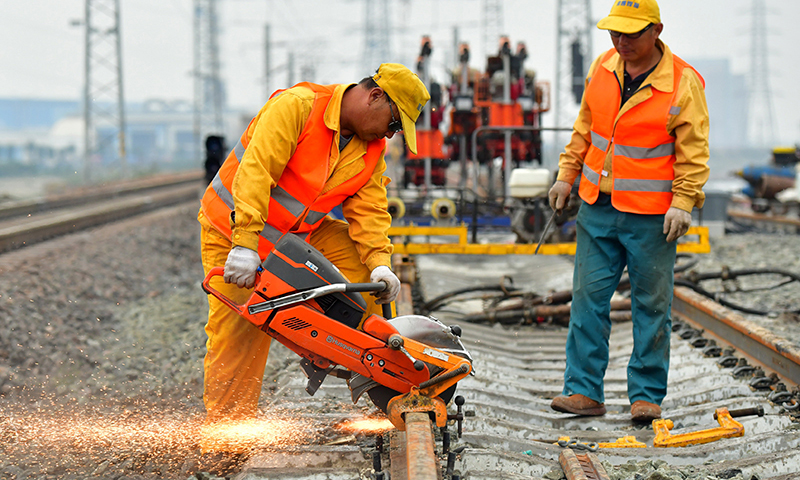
(395, 125)
(630, 36)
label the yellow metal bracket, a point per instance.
(463, 247)
(628, 441)
(728, 428)
(413, 401)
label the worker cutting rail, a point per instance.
(278, 266)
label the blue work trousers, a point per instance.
(607, 241)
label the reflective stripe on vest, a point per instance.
(591, 175)
(640, 153)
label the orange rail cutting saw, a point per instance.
(303, 301)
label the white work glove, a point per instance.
(240, 268)
(676, 223)
(384, 274)
(559, 195)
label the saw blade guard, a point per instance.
(427, 330)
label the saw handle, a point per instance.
(366, 287)
(372, 287)
(241, 310)
(218, 272)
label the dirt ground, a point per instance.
(101, 348)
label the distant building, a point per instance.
(40, 135)
(726, 95)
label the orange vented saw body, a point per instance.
(302, 300)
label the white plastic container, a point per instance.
(529, 182)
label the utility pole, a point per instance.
(573, 58)
(208, 88)
(103, 99)
(377, 35)
(761, 130)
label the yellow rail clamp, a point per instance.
(628, 441)
(728, 428)
(463, 247)
(413, 401)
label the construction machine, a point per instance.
(493, 120)
(496, 114)
(406, 363)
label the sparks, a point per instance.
(367, 425)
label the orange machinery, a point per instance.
(428, 165)
(304, 302)
(505, 102)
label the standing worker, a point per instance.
(310, 148)
(640, 148)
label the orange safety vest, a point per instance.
(644, 151)
(297, 203)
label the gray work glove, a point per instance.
(240, 268)
(559, 195)
(676, 223)
(384, 274)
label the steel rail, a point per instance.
(760, 217)
(86, 195)
(582, 466)
(773, 352)
(412, 455)
(19, 234)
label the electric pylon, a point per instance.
(104, 105)
(492, 26)
(377, 34)
(573, 57)
(761, 131)
(209, 98)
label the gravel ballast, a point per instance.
(102, 343)
(101, 350)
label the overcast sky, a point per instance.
(42, 53)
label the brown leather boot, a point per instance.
(578, 404)
(644, 412)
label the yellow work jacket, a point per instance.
(286, 173)
(666, 119)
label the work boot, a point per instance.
(578, 404)
(644, 412)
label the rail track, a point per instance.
(719, 363)
(721, 367)
(27, 222)
(765, 222)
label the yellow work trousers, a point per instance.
(236, 350)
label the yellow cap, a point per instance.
(408, 92)
(630, 16)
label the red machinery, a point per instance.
(428, 165)
(505, 102)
